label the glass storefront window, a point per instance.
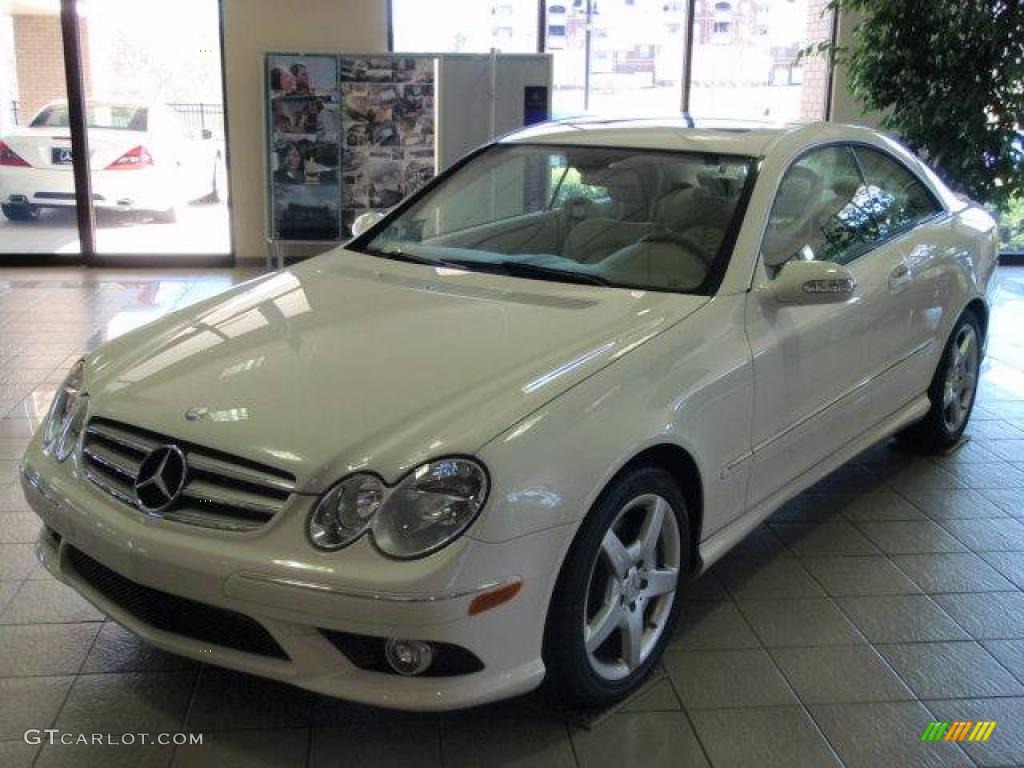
(745, 63)
(464, 26)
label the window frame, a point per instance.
(852, 145)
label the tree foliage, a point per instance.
(948, 77)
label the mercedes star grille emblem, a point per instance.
(161, 478)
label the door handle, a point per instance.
(899, 277)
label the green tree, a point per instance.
(948, 77)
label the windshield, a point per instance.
(621, 217)
(124, 117)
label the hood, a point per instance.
(352, 362)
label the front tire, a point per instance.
(952, 391)
(616, 598)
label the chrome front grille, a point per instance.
(220, 491)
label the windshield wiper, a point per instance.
(526, 269)
(396, 253)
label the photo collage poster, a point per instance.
(387, 126)
(304, 131)
(347, 135)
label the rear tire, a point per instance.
(616, 599)
(21, 212)
(952, 391)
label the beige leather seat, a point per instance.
(593, 240)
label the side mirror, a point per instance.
(811, 282)
(365, 222)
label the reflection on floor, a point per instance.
(888, 597)
(201, 228)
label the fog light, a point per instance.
(408, 657)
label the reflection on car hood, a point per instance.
(350, 361)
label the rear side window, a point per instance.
(111, 116)
(894, 197)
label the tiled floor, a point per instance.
(889, 596)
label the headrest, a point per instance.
(795, 196)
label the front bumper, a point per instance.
(295, 598)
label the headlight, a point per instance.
(66, 418)
(429, 508)
(346, 511)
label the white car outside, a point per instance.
(488, 442)
(142, 158)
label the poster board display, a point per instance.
(352, 133)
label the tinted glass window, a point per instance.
(114, 116)
(817, 211)
(894, 196)
(591, 214)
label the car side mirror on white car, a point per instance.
(365, 222)
(811, 282)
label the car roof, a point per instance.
(748, 139)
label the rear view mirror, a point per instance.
(811, 282)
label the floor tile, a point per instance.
(995, 616)
(992, 430)
(944, 505)
(901, 619)
(19, 528)
(16, 561)
(779, 577)
(104, 756)
(226, 700)
(1008, 450)
(478, 740)
(886, 734)
(814, 621)
(1006, 744)
(774, 736)
(923, 476)
(660, 697)
(17, 754)
(1010, 500)
(809, 507)
(712, 625)
(654, 739)
(7, 591)
(371, 743)
(950, 670)
(1009, 564)
(843, 576)
(714, 679)
(989, 476)
(44, 649)
(118, 650)
(48, 602)
(30, 702)
(840, 673)
(910, 537)
(952, 572)
(118, 703)
(824, 538)
(1004, 534)
(1009, 653)
(884, 505)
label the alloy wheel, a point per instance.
(632, 587)
(961, 378)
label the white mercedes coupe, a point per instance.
(489, 441)
(142, 159)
